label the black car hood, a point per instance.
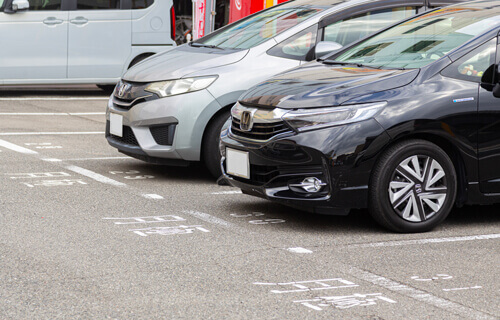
(322, 85)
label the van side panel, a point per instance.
(99, 43)
(151, 26)
(34, 45)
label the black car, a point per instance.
(405, 122)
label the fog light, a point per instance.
(310, 184)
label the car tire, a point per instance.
(412, 187)
(211, 151)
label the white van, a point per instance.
(80, 41)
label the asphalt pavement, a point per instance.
(89, 233)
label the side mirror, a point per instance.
(18, 5)
(325, 47)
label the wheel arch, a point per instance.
(224, 109)
(450, 149)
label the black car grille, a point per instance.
(259, 131)
(127, 137)
(163, 135)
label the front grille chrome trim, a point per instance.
(267, 125)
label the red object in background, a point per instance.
(241, 8)
(201, 8)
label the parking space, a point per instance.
(88, 232)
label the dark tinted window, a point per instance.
(98, 4)
(474, 65)
(141, 4)
(45, 4)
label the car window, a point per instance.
(474, 65)
(348, 30)
(297, 46)
(97, 4)
(422, 40)
(141, 4)
(256, 29)
(45, 5)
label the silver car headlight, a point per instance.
(311, 119)
(180, 86)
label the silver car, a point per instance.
(170, 108)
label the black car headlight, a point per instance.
(311, 119)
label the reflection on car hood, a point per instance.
(181, 61)
(322, 85)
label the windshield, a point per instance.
(420, 41)
(254, 30)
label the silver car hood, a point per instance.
(181, 61)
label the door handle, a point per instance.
(79, 20)
(52, 21)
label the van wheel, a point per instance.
(413, 187)
(211, 151)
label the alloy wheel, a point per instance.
(418, 188)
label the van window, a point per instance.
(45, 4)
(97, 4)
(140, 4)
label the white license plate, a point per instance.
(116, 124)
(237, 163)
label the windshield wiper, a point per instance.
(342, 63)
(202, 45)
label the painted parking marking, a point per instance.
(437, 277)
(461, 289)
(98, 158)
(43, 145)
(299, 250)
(16, 148)
(416, 294)
(227, 192)
(164, 231)
(132, 175)
(51, 159)
(345, 302)
(152, 196)
(148, 219)
(55, 183)
(258, 221)
(95, 176)
(37, 175)
(310, 285)
(426, 241)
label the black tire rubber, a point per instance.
(379, 202)
(211, 152)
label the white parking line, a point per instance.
(419, 295)
(54, 99)
(99, 158)
(48, 133)
(16, 148)
(227, 192)
(425, 241)
(95, 176)
(153, 196)
(299, 250)
(52, 114)
(210, 219)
